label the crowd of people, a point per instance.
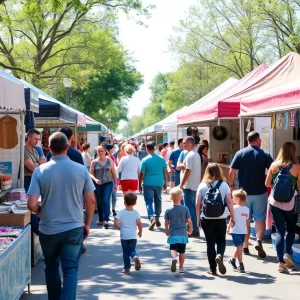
(202, 198)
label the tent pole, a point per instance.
(75, 136)
(176, 137)
(156, 140)
(22, 144)
(274, 143)
(242, 129)
(209, 142)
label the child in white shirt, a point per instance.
(128, 220)
(239, 230)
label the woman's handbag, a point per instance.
(297, 202)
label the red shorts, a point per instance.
(129, 185)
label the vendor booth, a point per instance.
(92, 132)
(54, 114)
(219, 113)
(15, 266)
(12, 111)
(163, 131)
(276, 96)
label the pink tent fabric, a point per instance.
(222, 106)
(278, 88)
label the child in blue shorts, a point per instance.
(176, 219)
(239, 230)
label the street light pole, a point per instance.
(100, 114)
(162, 110)
(67, 84)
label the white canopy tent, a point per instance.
(12, 102)
(11, 95)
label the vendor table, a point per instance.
(15, 267)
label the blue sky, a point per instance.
(149, 45)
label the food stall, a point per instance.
(219, 111)
(15, 266)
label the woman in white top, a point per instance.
(214, 228)
(129, 166)
(87, 159)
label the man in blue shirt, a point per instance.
(251, 163)
(62, 228)
(173, 162)
(72, 153)
(154, 176)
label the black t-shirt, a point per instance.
(252, 162)
(73, 155)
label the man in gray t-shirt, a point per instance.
(191, 179)
(62, 184)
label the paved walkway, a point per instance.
(100, 266)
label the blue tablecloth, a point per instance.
(15, 266)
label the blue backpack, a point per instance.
(213, 206)
(283, 189)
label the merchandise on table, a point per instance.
(9, 231)
(4, 209)
(5, 242)
(17, 194)
(5, 182)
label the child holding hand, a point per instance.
(176, 219)
(128, 220)
(239, 231)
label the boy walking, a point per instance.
(239, 231)
(128, 220)
(176, 219)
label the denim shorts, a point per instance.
(257, 205)
(238, 239)
(171, 178)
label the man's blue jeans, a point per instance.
(113, 200)
(103, 193)
(128, 247)
(152, 194)
(64, 247)
(189, 197)
(177, 178)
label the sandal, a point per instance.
(137, 263)
(210, 272)
(282, 268)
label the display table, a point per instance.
(15, 266)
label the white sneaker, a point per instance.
(181, 270)
(288, 260)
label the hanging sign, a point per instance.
(248, 126)
(6, 167)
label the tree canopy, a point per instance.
(44, 41)
(218, 40)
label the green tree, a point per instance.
(108, 92)
(228, 34)
(39, 39)
(136, 123)
(282, 18)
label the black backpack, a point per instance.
(213, 206)
(283, 190)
